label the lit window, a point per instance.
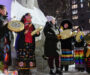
(74, 6)
(81, 0)
(89, 20)
(74, 12)
(88, 4)
(81, 5)
(73, 1)
(74, 17)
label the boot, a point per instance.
(66, 68)
(52, 72)
(58, 71)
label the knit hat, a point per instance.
(68, 22)
(49, 18)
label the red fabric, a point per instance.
(28, 37)
(6, 57)
(26, 22)
(27, 19)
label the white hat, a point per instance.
(50, 18)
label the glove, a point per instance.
(45, 57)
(81, 37)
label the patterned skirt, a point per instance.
(26, 57)
(88, 60)
(79, 58)
(67, 57)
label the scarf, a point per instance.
(28, 37)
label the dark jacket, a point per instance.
(20, 40)
(4, 33)
(3, 28)
(80, 44)
(67, 43)
(51, 40)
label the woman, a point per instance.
(79, 50)
(25, 45)
(66, 46)
(87, 53)
(50, 47)
(5, 49)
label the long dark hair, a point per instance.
(81, 28)
(68, 22)
(22, 19)
(2, 6)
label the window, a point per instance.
(81, 1)
(74, 12)
(74, 1)
(89, 21)
(81, 5)
(74, 6)
(74, 17)
(88, 4)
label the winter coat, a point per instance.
(50, 46)
(20, 40)
(4, 34)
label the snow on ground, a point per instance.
(1, 73)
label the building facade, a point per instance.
(80, 13)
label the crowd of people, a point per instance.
(60, 45)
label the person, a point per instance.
(25, 45)
(79, 50)
(87, 53)
(5, 39)
(66, 46)
(50, 46)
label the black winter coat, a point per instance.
(51, 40)
(67, 43)
(4, 33)
(20, 40)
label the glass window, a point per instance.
(89, 20)
(74, 11)
(81, 0)
(81, 5)
(74, 1)
(74, 6)
(74, 17)
(88, 4)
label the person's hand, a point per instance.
(38, 33)
(81, 37)
(5, 22)
(26, 31)
(59, 36)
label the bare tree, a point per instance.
(57, 8)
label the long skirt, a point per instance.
(79, 58)
(5, 53)
(26, 57)
(88, 60)
(67, 57)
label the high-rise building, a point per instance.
(80, 13)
